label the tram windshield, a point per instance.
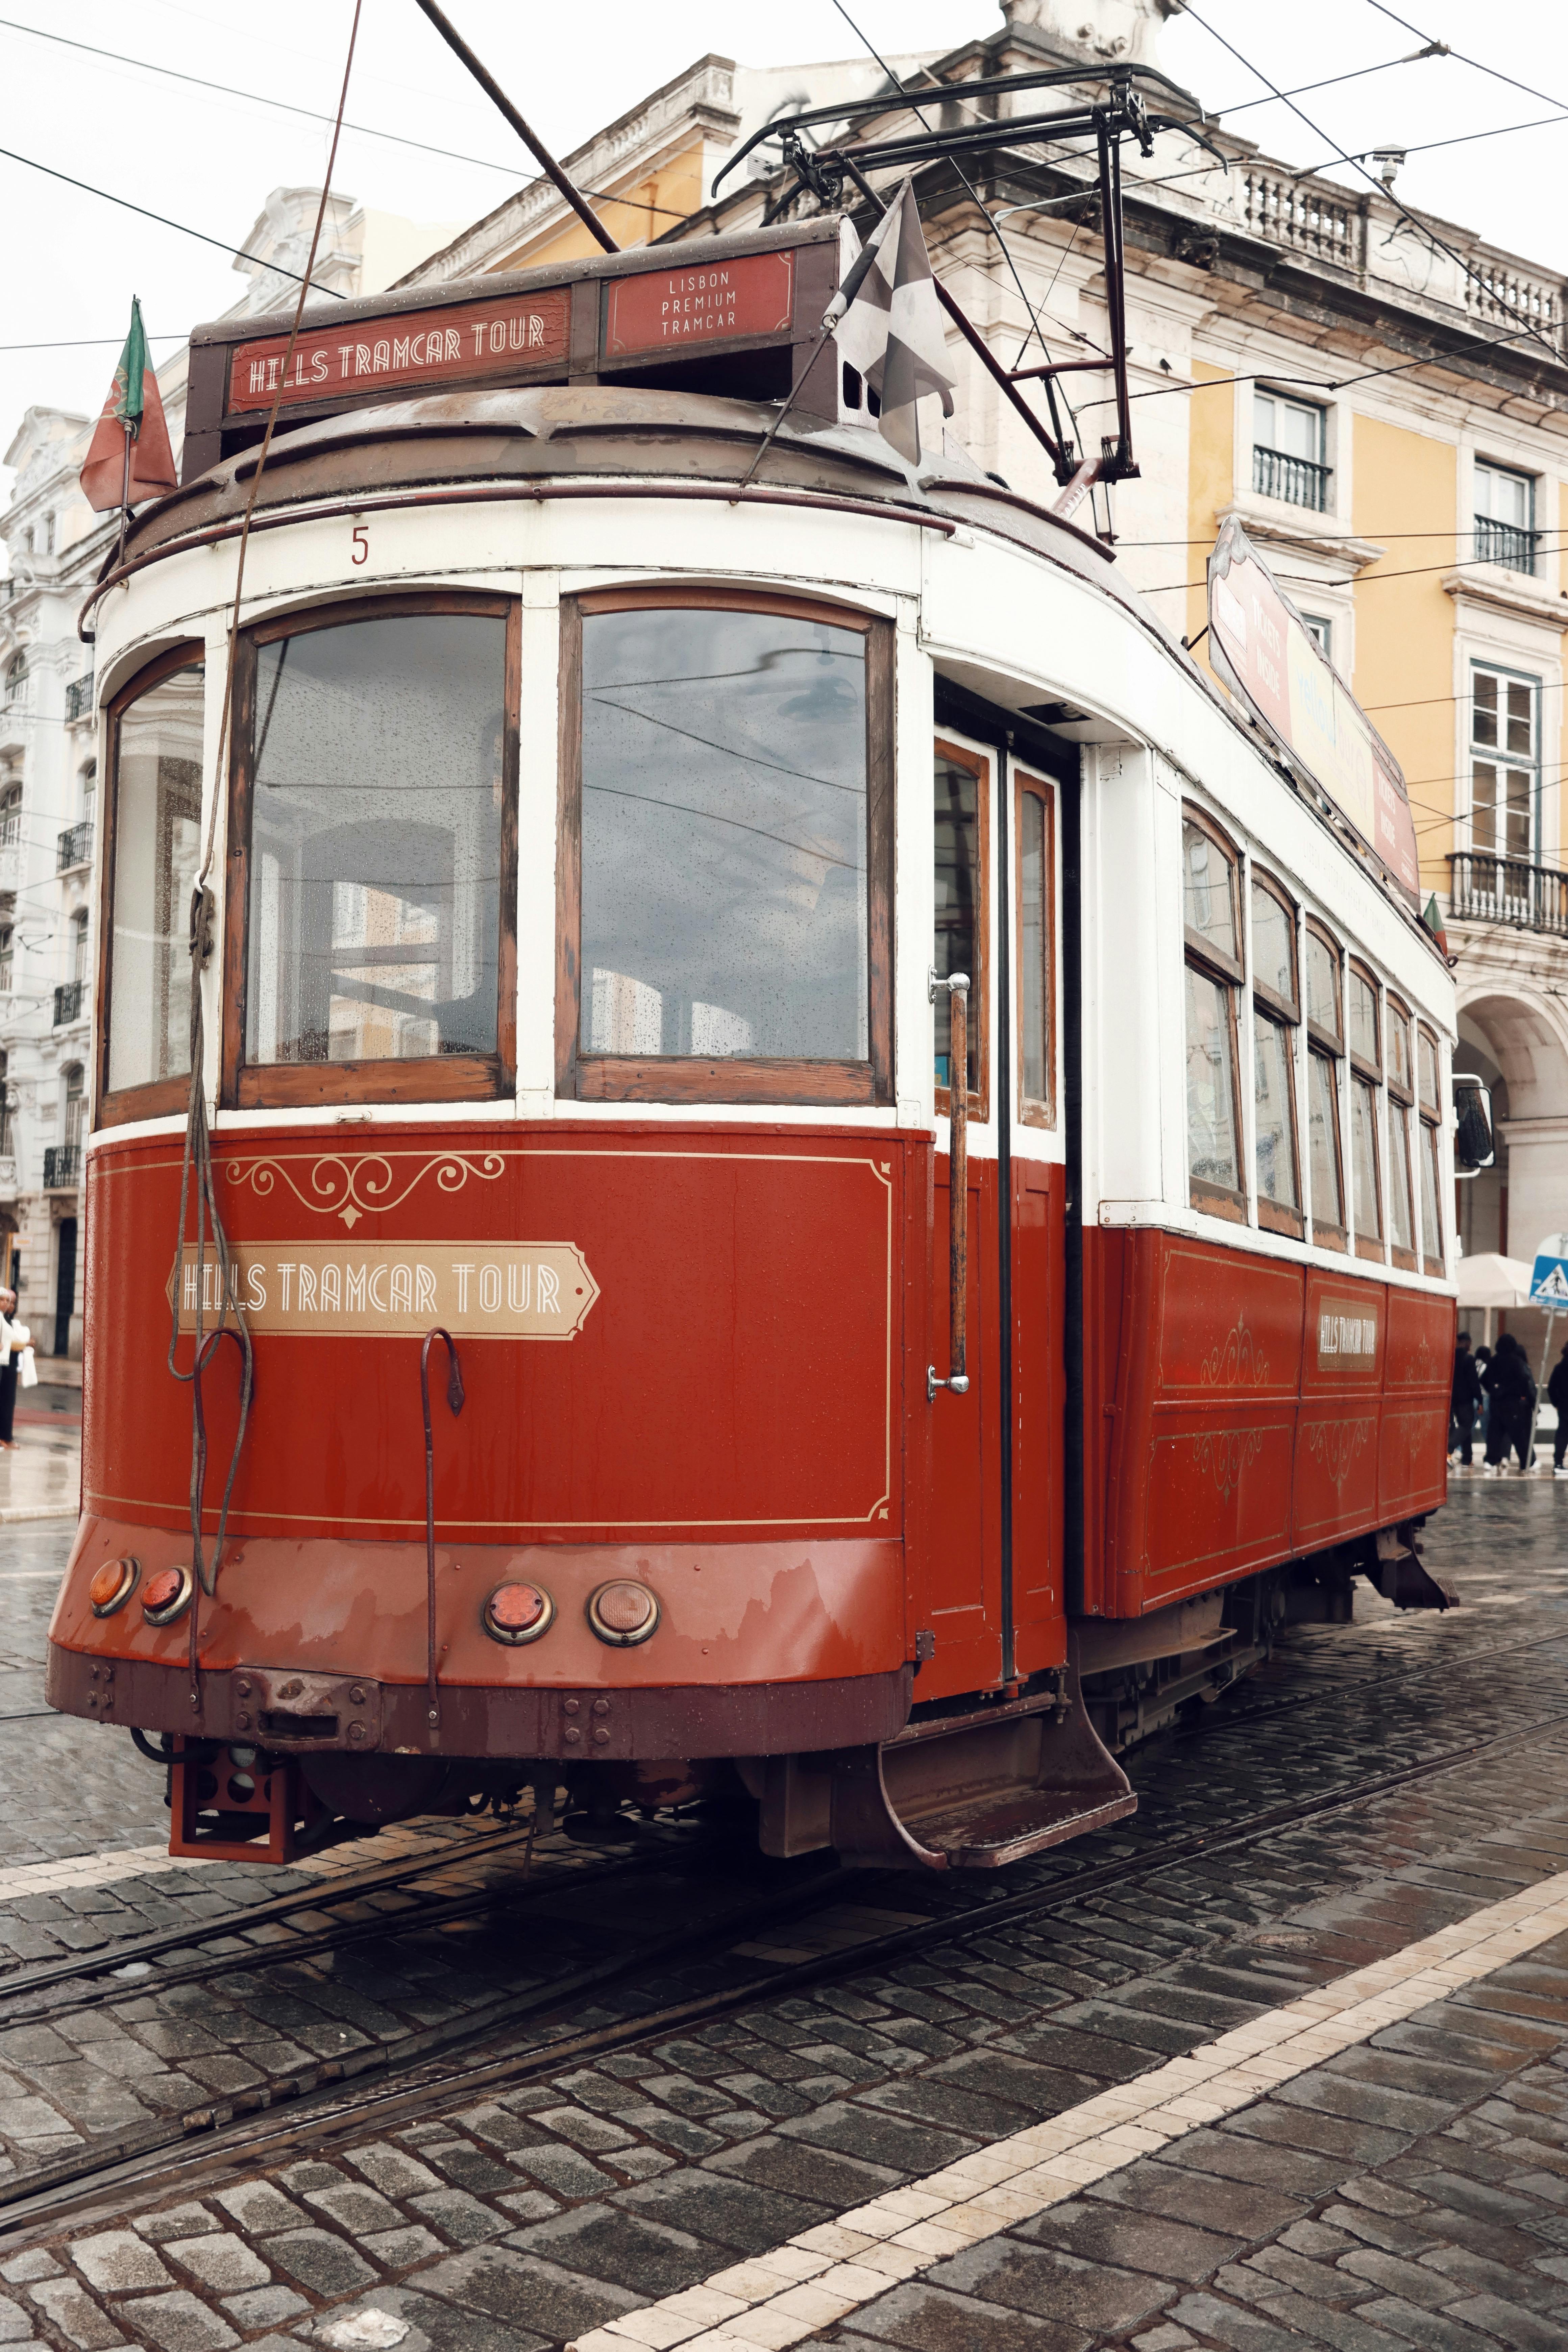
(724, 836)
(376, 840)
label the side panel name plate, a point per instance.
(482, 1290)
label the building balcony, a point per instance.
(78, 698)
(75, 846)
(1484, 888)
(1506, 543)
(7, 1176)
(1296, 480)
(62, 1166)
(68, 1002)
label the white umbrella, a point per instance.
(1489, 1280)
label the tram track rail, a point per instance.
(72, 2188)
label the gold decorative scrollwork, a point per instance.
(1236, 1362)
(1223, 1455)
(349, 1188)
(1336, 1446)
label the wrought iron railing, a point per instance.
(1508, 543)
(68, 1002)
(1297, 480)
(62, 1166)
(1486, 888)
(74, 846)
(78, 697)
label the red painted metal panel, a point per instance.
(693, 306)
(1412, 1448)
(1342, 1397)
(961, 1601)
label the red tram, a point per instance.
(597, 847)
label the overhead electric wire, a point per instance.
(86, 343)
(164, 221)
(310, 114)
(1426, 146)
(1433, 49)
(1368, 579)
(1418, 227)
(1476, 64)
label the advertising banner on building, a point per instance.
(1260, 647)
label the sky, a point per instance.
(208, 160)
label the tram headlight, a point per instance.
(113, 1585)
(168, 1595)
(515, 1613)
(623, 1612)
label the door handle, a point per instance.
(957, 988)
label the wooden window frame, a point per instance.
(1432, 1141)
(1027, 784)
(1268, 1004)
(1218, 1200)
(433, 1077)
(1360, 1068)
(159, 1097)
(1326, 1234)
(1400, 1099)
(980, 766)
(688, 1078)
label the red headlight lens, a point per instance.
(623, 1612)
(167, 1595)
(113, 1585)
(519, 1612)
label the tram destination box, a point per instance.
(728, 315)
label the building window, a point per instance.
(1401, 1098)
(1430, 1093)
(150, 870)
(962, 813)
(10, 816)
(15, 676)
(372, 858)
(1289, 454)
(1505, 518)
(1325, 1051)
(80, 925)
(726, 887)
(1214, 974)
(1367, 1090)
(1322, 632)
(87, 781)
(1504, 761)
(1034, 813)
(8, 938)
(1275, 1013)
(48, 548)
(76, 1112)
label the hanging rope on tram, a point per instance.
(455, 1400)
(198, 1155)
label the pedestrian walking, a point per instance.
(1557, 1394)
(1509, 1382)
(1483, 1358)
(1464, 1403)
(16, 1342)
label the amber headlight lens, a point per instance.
(623, 1612)
(167, 1595)
(515, 1613)
(113, 1585)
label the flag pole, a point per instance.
(834, 315)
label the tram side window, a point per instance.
(728, 798)
(960, 810)
(1277, 1011)
(1325, 1050)
(374, 825)
(1214, 972)
(1400, 1097)
(1429, 1089)
(1366, 1087)
(1036, 1010)
(153, 854)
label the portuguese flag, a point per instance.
(130, 457)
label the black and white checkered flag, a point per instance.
(890, 323)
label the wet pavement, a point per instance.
(580, 2163)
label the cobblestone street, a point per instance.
(1083, 2105)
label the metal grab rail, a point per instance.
(957, 987)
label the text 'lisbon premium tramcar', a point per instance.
(592, 850)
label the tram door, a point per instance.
(964, 1597)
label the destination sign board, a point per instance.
(392, 1290)
(406, 349)
(689, 308)
(1263, 652)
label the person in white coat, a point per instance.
(16, 1349)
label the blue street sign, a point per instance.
(1549, 1280)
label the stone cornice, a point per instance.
(1302, 532)
(1507, 592)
